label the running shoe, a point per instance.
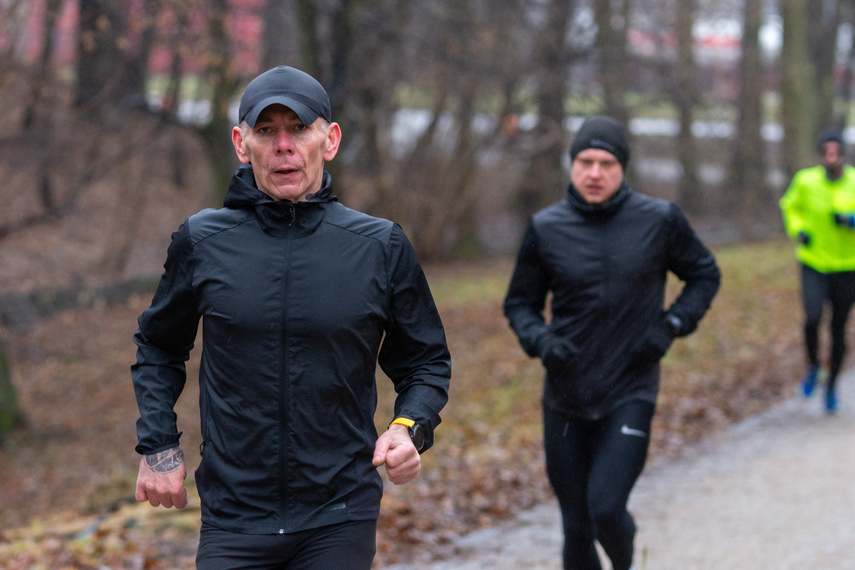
(830, 402)
(808, 382)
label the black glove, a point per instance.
(558, 355)
(803, 238)
(655, 342)
(845, 220)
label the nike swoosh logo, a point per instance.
(626, 430)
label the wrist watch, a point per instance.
(417, 434)
(675, 322)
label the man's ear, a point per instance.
(333, 141)
(237, 140)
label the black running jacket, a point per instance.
(606, 270)
(299, 303)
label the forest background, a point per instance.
(456, 114)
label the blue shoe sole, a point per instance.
(809, 382)
(831, 406)
(808, 385)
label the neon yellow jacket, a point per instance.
(809, 205)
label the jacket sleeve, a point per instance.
(695, 265)
(414, 354)
(791, 210)
(166, 334)
(526, 297)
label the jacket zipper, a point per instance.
(284, 387)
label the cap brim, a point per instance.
(306, 114)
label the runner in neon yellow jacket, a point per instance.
(819, 214)
(809, 207)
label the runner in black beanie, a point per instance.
(587, 297)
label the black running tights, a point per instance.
(592, 466)
(838, 289)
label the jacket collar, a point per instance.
(279, 217)
(598, 210)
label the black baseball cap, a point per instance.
(287, 86)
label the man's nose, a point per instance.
(283, 142)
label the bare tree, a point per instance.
(551, 58)
(847, 18)
(443, 72)
(277, 46)
(435, 192)
(11, 415)
(221, 76)
(101, 67)
(686, 98)
(612, 19)
(822, 33)
(451, 53)
(807, 63)
(746, 188)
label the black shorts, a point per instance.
(349, 545)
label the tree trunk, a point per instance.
(545, 181)
(310, 52)
(275, 45)
(11, 415)
(822, 29)
(41, 89)
(747, 188)
(611, 42)
(799, 98)
(101, 64)
(140, 46)
(846, 19)
(689, 191)
(217, 133)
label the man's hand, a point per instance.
(395, 449)
(845, 220)
(559, 356)
(161, 479)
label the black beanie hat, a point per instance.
(830, 135)
(604, 133)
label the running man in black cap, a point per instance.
(819, 215)
(603, 252)
(295, 293)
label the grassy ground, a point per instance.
(68, 479)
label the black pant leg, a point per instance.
(815, 292)
(568, 445)
(619, 458)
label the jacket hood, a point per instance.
(598, 210)
(279, 217)
(243, 192)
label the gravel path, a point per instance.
(775, 491)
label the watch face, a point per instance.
(675, 322)
(418, 436)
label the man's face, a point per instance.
(287, 156)
(832, 157)
(597, 175)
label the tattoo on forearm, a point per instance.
(165, 461)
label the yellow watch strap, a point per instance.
(403, 421)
